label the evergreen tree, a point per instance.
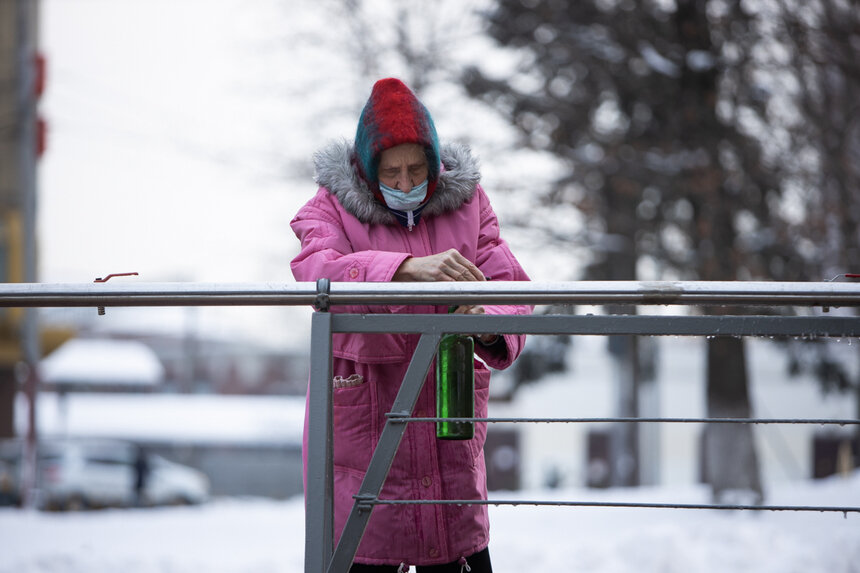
(820, 65)
(653, 104)
(821, 59)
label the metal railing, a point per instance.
(320, 550)
(824, 294)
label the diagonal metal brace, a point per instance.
(383, 456)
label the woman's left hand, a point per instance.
(485, 339)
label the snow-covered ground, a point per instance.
(244, 535)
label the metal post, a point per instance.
(319, 479)
(384, 453)
(27, 26)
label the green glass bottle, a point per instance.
(455, 386)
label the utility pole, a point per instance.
(21, 144)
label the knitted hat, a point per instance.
(391, 117)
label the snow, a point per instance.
(700, 60)
(244, 535)
(658, 62)
(169, 418)
(98, 362)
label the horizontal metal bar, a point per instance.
(602, 292)
(803, 326)
(133, 293)
(609, 420)
(621, 504)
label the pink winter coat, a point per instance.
(346, 235)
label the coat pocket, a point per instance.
(352, 412)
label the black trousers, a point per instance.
(478, 563)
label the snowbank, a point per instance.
(97, 362)
(233, 535)
(170, 418)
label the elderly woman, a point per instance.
(397, 206)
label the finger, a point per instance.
(459, 272)
(470, 309)
(442, 270)
(476, 273)
(456, 273)
(467, 270)
(465, 275)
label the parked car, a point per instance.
(80, 474)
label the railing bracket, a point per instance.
(364, 502)
(398, 417)
(322, 301)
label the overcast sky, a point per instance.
(181, 136)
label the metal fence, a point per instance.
(757, 300)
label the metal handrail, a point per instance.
(398, 419)
(622, 504)
(133, 293)
(321, 552)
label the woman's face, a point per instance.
(403, 167)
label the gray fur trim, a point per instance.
(335, 171)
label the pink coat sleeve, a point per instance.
(327, 253)
(497, 262)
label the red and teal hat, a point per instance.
(392, 116)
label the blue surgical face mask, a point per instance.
(397, 199)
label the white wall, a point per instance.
(588, 390)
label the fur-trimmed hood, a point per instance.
(335, 170)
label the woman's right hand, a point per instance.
(447, 266)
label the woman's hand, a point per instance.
(447, 266)
(486, 339)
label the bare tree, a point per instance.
(416, 41)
